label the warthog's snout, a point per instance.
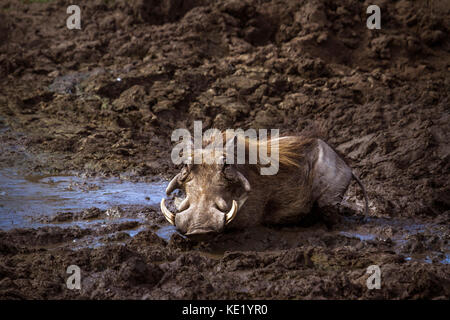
(201, 219)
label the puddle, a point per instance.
(400, 232)
(166, 232)
(134, 232)
(428, 259)
(23, 199)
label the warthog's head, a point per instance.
(214, 194)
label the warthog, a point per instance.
(220, 194)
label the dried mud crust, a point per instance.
(105, 99)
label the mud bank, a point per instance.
(149, 260)
(102, 102)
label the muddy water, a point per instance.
(166, 232)
(32, 201)
(400, 234)
(25, 200)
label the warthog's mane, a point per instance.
(291, 149)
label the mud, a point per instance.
(102, 102)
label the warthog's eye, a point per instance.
(229, 173)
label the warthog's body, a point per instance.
(322, 177)
(310, 172)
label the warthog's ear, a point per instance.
(231, 173)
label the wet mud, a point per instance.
(86, 118)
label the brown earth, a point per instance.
(104, 100)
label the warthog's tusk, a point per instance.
(232, 213)
(167, 214)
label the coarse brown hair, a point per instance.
(291, 149)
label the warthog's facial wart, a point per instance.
(214, 194)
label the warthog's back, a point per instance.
(319, 176)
